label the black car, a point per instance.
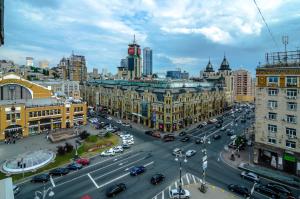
(115, 189)
(266, 191)
(198, 141)
(157, 178)
(148, 132)
(185, 139)
(74, 166)
(183, 133)
(239, 189)
(217, 136)
(59, 171)
(200, 126)
(230, 133)
(279, 189)
(41, 178)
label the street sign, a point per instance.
(204, 158)
(204, 165)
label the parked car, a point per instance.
(134, 171)
(250, 176)
(177, 151)
(190, 152)
(119, 122)
(168, 138)
(184, 194)
(182, 133)
(148, 132)
(41, 178)
(156, 134)
(74, 166)
(223, 129)
(200, 126)
(157, 178)
(127, 125)
(109, 118)
(125, 146)
(198, 141)
(115, 189)
(230, 132)
(16, 189)
(279, 189)
(217, 136)
(233, 137)
(266, 191)
(109, 152)
(83, 161)
(185, 139)
(59, 171)
(130, 142)
(241, 190)
(118, 149)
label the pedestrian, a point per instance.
(14, 141)
(5, 141)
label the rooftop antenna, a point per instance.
(134, 38)
(285, 41)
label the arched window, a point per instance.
(14, 91)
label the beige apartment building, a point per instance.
(277, 133)
(243, 86)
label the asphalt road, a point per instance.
(156, 156)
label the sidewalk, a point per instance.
(243, 163)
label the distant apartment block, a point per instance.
(243, 86)
(147, 61)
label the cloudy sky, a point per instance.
(183, 34)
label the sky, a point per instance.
(182, 34)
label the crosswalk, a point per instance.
(186, 179)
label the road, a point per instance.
(156, 156)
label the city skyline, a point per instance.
(182, 36)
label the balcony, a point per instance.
(291, 85)
(291, 97)
(291, 137)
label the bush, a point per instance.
(84, 134)
(68, 147)
(92, 138)
(108, 135)
(61, 150)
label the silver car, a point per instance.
(250, 176)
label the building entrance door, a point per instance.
(13, 131)
(289, 163)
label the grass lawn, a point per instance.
(83, 151)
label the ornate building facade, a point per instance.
(164, 105)
(27, 108)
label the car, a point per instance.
(168, 138)
(115, 189)
(183, 194)
(185, 139)
(109, 118)
(119, 122)
(134, 171)
(125, 146)
(233, 137)
(243, 120)
(177, 151)
(190, 152)
(83, 161)
(218, 125)
(230, 132)
(127, 139)
(118, 149)
(126, 136)
(16, 189)
(156, 135)
(241, 190)
(250, 176)
(223, 129)
(109, 152)
(157, 178)
(41, 178)
(266, 191)
(126, 124)
(148, 132)
(279, 189)
(217, 136)
(198, 141)
(200, 126)
(220, 121)
(130, 142)
(182, 133)
(59, 171)
(204, 123)
(74, 166)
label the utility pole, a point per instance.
(179, 158)
(203, 187)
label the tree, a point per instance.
(61, 150)
(83, 135)
(68, 147)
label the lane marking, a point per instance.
(194, 179)
(175, 184)
(187, 178)
(163, 195)
(52, 181)
(122, 176)
(93, 180)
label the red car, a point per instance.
(156, 134)
(83, 161)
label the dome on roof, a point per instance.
(209, 67)
(224, 65)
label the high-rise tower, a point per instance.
(134, 60)
(147, 61)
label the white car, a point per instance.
(109, 118)
(204, 123)
(130, 142)
(233, 137)
(119, 122)
(126, 136)
(126, 124)
(190, 152)
(184, 194)
(109, 152)
(118, 149)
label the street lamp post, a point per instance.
(203, 187)
(43, 194)
(179, 158)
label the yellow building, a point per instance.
(27, 108)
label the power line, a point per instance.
(265, 23)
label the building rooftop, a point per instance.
(287, 59)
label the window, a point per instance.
(272, 116)
(30, 114)
(292, 106)
(17, 115)
(291, 81)
(291, 119)
(7, 116)
(68, 109)
(272, 140)
(290, 132)
(43, 113)
(272, 128)
(273, 80)
(272, 104)
(273, 92)
(291, 93)
(290, 144)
